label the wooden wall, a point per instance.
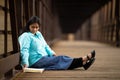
(103, 25)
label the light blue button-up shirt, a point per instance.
(33, 47)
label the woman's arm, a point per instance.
(24, 42)
(47, 47)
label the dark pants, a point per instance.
(77, 62)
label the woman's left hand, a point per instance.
(54, 54)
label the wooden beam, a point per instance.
(18, 5)
(26, 10)
(5, 30)
(13, 25)
(8, 63)
(117, 23)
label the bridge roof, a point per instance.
(73, 13)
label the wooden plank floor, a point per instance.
(106, 66)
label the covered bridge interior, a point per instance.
(95, 20)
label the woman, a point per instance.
(36, 53)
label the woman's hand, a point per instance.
(54, 54)
(24, 66)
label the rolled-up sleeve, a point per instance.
(24, 42)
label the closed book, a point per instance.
(33, 70)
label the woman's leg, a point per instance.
(53, 63)
(77, 62)
(83, 61)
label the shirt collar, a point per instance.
(36, 34)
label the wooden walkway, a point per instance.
(106, 66)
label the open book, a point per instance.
(33, 70)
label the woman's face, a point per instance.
(34, 28)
